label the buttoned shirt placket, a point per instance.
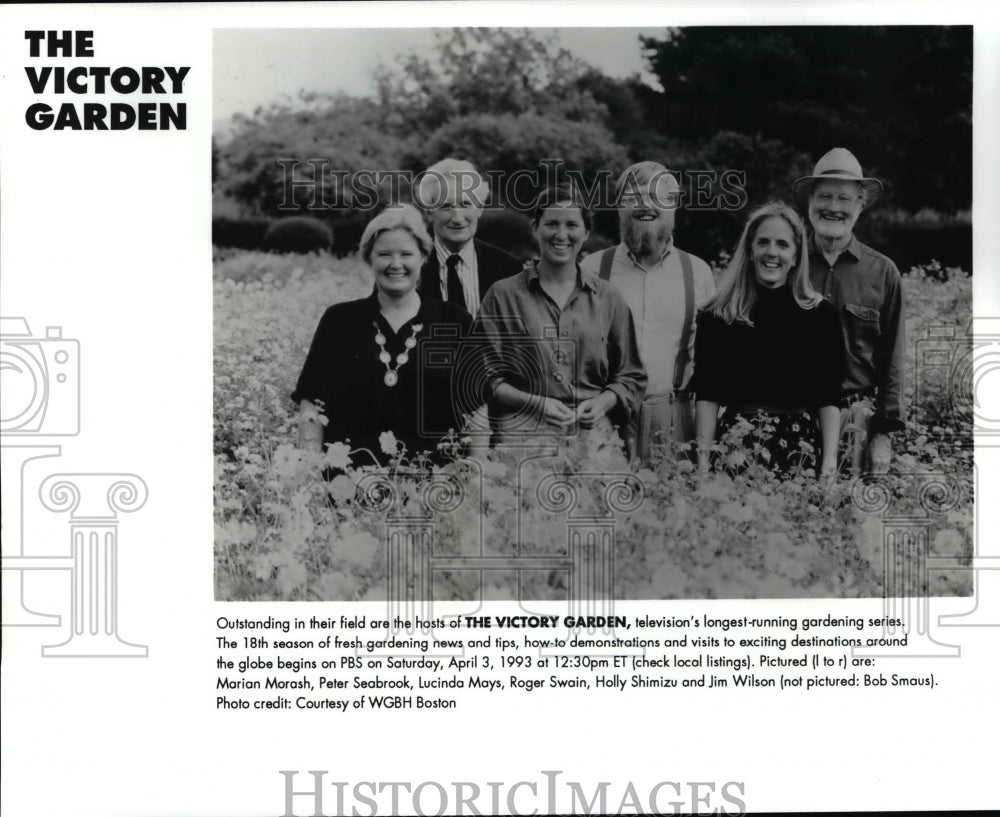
(559, 356)
(468, 273)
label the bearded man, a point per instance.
(664, 288)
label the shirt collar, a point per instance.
(623, 249)
(466, 253)
(584, 279)
(853, 248)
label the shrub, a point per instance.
(244, 233)
(911, 238)
(509, 230)
(347, 233)
(595, 243)
(300, 234)
(506, 145)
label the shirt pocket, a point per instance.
(861, 323)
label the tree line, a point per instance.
(767, 101)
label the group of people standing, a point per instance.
(797, 345)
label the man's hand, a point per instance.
(879, 453)
(589, 412)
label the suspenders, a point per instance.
(683, 353)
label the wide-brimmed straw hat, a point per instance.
(841, 164)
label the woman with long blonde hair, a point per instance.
(769, 351)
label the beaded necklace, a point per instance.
(391, 377)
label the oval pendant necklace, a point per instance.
(391, 377)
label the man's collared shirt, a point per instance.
(655, 296)
(468, 273)
(865, 287)
(571, 354)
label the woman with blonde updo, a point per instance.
(365, 369)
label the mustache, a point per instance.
(644, 237)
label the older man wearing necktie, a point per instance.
(461, 268)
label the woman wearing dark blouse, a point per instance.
(769, 346)
(367, 368)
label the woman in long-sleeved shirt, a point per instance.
(769, 349)
(562, 345)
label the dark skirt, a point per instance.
(782, 441)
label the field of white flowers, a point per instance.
(282, 532)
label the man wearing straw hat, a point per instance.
(865, 287)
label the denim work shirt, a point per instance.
(571, 354)
(865, 287)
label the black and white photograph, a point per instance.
(513, 313)
(499, 408)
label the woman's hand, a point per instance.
(706, 418)
(557, 413)
(477, 431)
(829, 430)
(310, 427)
(590, 412)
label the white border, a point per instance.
(107, 235)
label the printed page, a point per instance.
(479, 408)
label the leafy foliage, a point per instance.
(501, 71)
(509, 144)
(282, 532)
(763, 101)
(899, 97)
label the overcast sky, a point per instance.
(254, 67)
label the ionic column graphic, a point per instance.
(592, 567)
(94, 502)
(409, 541)
(590, 535)
(408, 568)
(985, 566)
(905, 548)
(16, 563)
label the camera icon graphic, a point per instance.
(506, 351)
(39, 381)
(452, 369)
(958, 378)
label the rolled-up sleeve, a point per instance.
(627, 375)
(488, 331)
